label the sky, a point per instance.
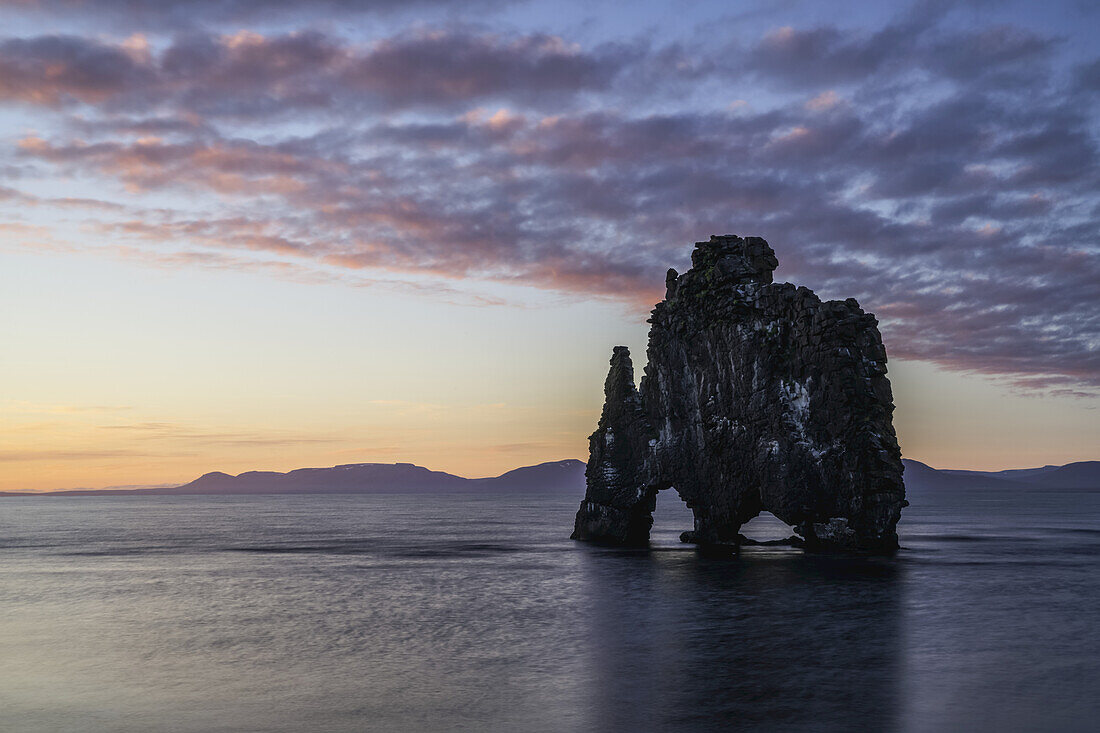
(248, 234)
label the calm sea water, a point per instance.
(399, 613)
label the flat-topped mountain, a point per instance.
(1077, 475)
(566, 477)
(348, 478)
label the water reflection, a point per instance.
(288, 614)
(770, 641)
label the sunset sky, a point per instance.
(247, 234)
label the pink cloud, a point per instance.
(968, 223)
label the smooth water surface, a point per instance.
(413, 613)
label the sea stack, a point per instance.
(757, 396)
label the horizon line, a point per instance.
(142, 487)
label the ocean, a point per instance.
(477, 613)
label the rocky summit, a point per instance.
(757, 396)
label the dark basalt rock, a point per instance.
(758, 396)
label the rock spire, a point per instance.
(757, 396)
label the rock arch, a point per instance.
(757, 396)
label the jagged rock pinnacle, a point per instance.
(757, 396)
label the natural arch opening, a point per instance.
(766, 528)
(671, 517)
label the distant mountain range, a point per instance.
(1079, 475)
(554, 477)
(565, 478)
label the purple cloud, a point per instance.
(251, 75)
(53, 70)
(190, 13)
(960, 207)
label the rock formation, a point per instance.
(757, 396)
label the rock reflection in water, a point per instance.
(770, 641)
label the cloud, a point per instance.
(998, 56)
(1088, 76)
(224, 166)
(246, 74)
(945, 177)
(51, 70)
(430, 67)
(195, 13)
